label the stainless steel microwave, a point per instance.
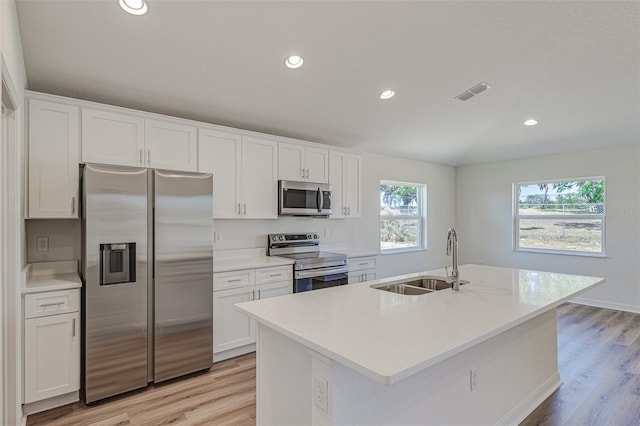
(303, 198)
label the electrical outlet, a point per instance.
(327, 232)
(42, 244)
(217, 236)
(473, 378)
(320, 396)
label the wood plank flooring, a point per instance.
(598, 358)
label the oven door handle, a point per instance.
(321, 272)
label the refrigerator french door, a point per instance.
(147, 270)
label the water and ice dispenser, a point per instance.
(117, 263)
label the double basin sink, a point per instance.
(421, 285)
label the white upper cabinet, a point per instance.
(303, 163)
(112, 138)
(128, 140)
(53, 160)
(170, 146)
(345, 176)
(219, 153)
(244, 174)
(259, 178)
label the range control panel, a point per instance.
(276, 238)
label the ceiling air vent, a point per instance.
(475, 90)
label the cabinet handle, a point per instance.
(148, 157)
(307, 174)
(258, 294)
(44, 305)
(73, 328)
(253, 295)
(362, 264)
(73, 205)
(301, 172)
(140, 156)
(244, 210)
(239, 208)
(235, 281)
(349, 211)
(275, 275)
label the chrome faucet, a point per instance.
(452, 246)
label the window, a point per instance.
(402, 216)
(561, 216)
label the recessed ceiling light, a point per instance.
(387, 94)
(530, 122)
(293, 62)
(134, 7)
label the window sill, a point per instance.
(402, 250)
(561, 252)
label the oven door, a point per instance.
(308, 280)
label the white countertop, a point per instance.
(234, 260)
(51, 276)
(389, 336)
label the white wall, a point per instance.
(64, 239)
(14, 75)
(485, 222)
(364, 233)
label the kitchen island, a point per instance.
(358, 355)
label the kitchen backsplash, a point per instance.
(62, 240)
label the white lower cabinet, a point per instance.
(362, 268)
(51, 345)
(234, 332)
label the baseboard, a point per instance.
(608, 305)
(520, 412)
(49, 403)
(232, 353)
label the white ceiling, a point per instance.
(575, 66)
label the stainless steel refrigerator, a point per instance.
(147, 269)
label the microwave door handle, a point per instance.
(319, 200)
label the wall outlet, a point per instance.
(327, 232)
(473, 378)
(42, 244)
(217, 236)
(320, 393)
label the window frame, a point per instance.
(517, 218)
(421, 218)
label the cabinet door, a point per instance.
(352, 177)
(170, 146)
(361, 276)
(219, 153)
(52, 356)
(259, 178)
(53, 160)
(279, 288)
(336, 179)
(291, 162)
(316, 161)
(111, 138)
(231, 329)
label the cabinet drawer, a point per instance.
(233, 279)
(360, 263)
(278, 273)
(51, 303)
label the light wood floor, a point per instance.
(598, 357)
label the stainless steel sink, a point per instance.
(421, 285)
(402, 288)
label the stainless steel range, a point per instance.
(313, 269)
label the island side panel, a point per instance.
(283, 380)
(516, 371)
